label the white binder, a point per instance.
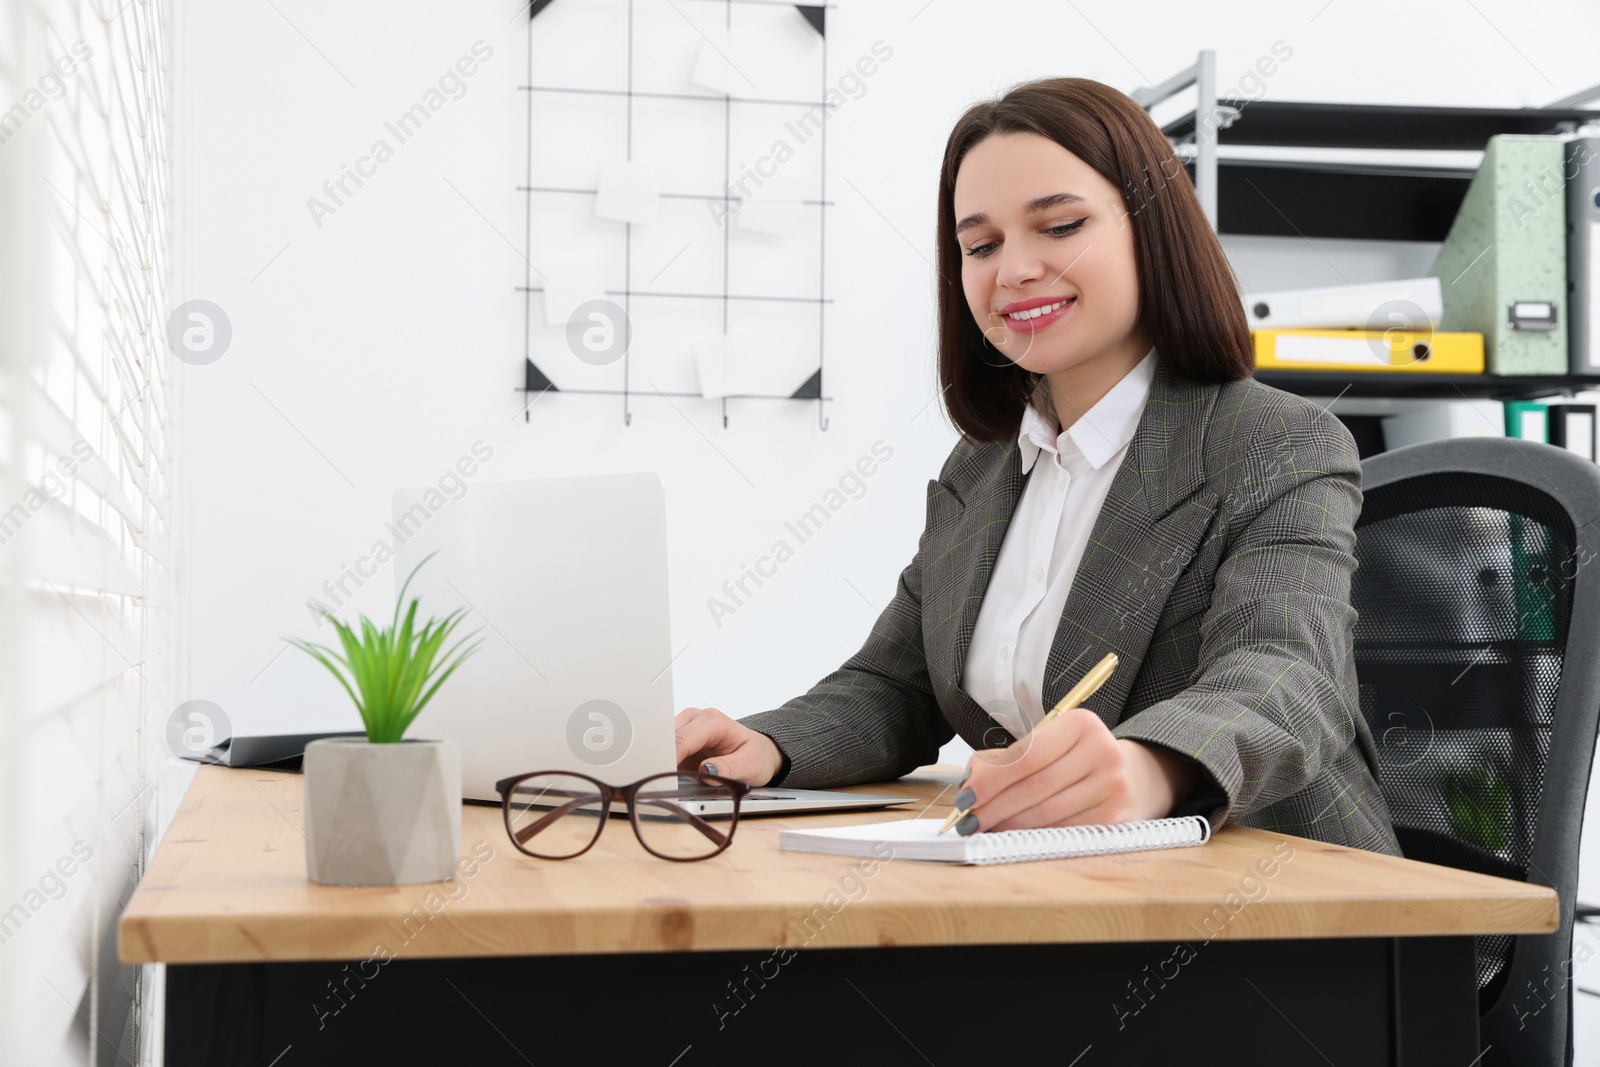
(1572, 426)
(1410, 303)
(1443, 420)
(1583, 255)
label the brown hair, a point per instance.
(1189, 305)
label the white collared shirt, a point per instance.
(1069, 474)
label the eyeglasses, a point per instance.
(556, 815)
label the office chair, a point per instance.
(1479, 567)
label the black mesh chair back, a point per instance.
(1476, 650)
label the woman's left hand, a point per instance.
(1071, 771)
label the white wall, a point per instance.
(372, 352)
(389, 339)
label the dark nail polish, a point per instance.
(965, 799)
(964, 778)
(711, 768)
(967, 826)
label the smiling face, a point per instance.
(1038, 228)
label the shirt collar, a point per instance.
(1098, 433)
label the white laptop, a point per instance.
(567, 580)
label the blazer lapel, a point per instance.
(989, 501)
(1148, 530)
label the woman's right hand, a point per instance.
(710, 741)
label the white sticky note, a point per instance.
(771, 215)
(569, 283)
(732, 62)
(778, 366)
(711, 363)
(774, 361)
(748, 363)
(629, 191)
(712, 69)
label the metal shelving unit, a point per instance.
(1426, 386)
(1295, 198)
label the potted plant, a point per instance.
(1477, 799)
(385, 810)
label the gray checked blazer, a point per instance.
(1218, 571)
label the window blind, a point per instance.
(87, 545)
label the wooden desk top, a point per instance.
(228, 884)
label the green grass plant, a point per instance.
(392, 672)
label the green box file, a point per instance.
(1528, 419)
(1503, 267)
(1530, 541)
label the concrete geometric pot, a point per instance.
(382, 814)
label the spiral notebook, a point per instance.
(919, 839)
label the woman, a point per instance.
(1122, 485)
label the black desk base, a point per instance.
(1363, 1001)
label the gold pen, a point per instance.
(1085, 689)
